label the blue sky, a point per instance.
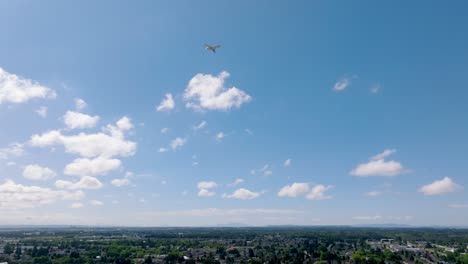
(366, 100)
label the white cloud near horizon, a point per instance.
(378, 166)
(298, 189)
(207, 92)
(243, 194)
(438, 187)
(14, 89)
(18, 196)
(85, 182)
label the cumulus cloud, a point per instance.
(287, 163)
(207, 185)
(91, 167)
(204, 188)
(342, 84)
(205, 193)
(446, 185)
(243, 194)
(74, 120)
(297, 189)
(177, 143)
(378, 166)
(38, 173)
(18, 196)
(120, 182)
(85, 182)
(317, 192)
(294, 190)
(80, 104)
(13, 150)
(42, 111)
(207, 92)
(14, 89)
(96, 203)
(164, 130)
(111, 142)
(166, 104)
(77, 205)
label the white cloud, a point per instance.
(205, 193)
(14, 89)
(75, 120)
(318, 192)
(200, 126)
(77, 205)
(164, 130)
(166, 104)
(207, 185)
(446, 185)
(287, 163)
(220, 136)
(42, 111)
(178, 143)
(294, 190)
(13, 150)
(91, 167)
(377, 166)
(17, 196)
(237, 181)
(96, 203)
(265, 170)
(384, 154)
(108, 144)
(297, 189)
(124, 124)
(204, 187)
(85, 182)
(36, 172)
(120, 182)
(374, 193)
(162, 150)
(80, 104)
(342, 84)
(243, 194)
(207, 92)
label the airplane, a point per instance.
(212, 48)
